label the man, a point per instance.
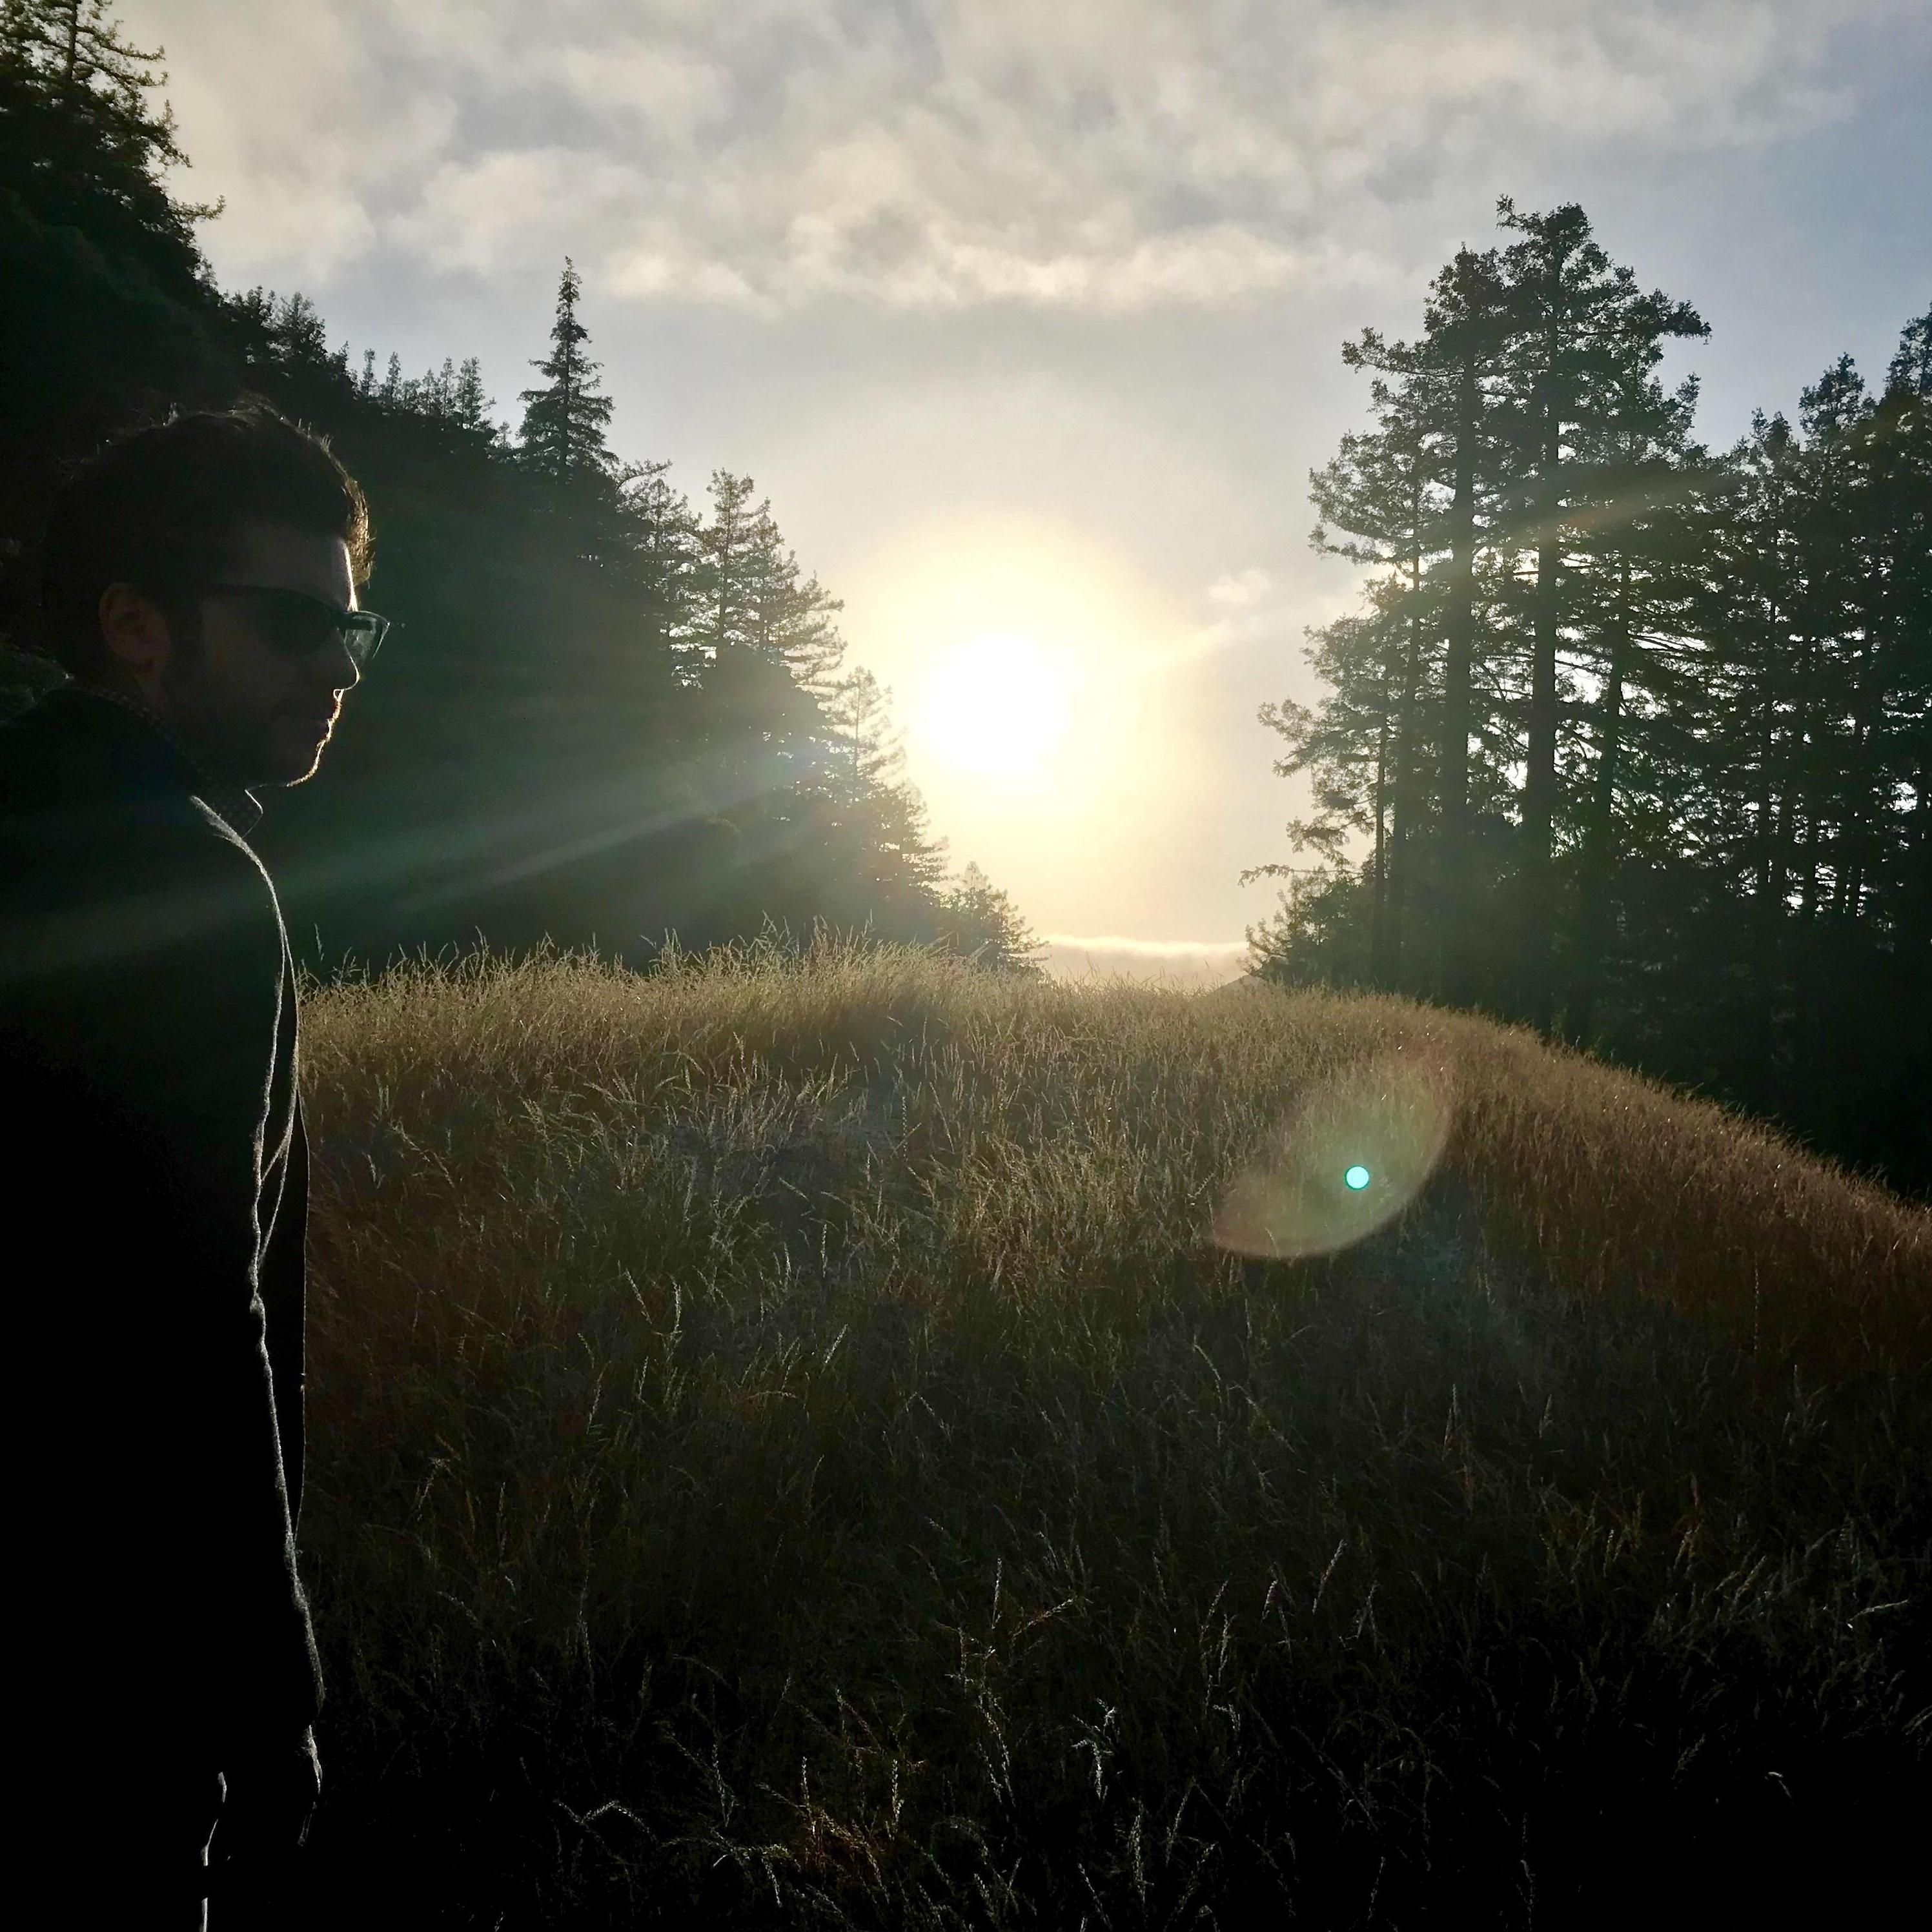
(199, 585)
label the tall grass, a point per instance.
(789, 1448)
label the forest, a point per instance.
(609, 716)
(1629, 740)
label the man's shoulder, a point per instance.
(72, 744)
(98, 838)
(79, 772)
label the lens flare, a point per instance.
(1348, 1156)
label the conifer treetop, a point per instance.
(564, 419)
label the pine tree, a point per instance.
(863, 777)
(1378, 492)
(1749, 615)
(1901, 433)
(765, 643)
(296, 331)
(723, 589)
(564, 420)
(1344, 749)
(470, 407)
(1466, 321)
(82, 143)
(1716, 675)
(1640, 535)
(660, 548)
(78, 43)
(980, 920)
(107, 302)
(1583, 336)
(1413, 498)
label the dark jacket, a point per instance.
(157, 1193)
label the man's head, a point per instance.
(207, 565)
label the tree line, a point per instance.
(610, 714)
(1628, 739)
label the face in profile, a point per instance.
(254, 691)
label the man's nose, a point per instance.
(343, 672)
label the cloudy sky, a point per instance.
(1025, 312)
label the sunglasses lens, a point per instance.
(300, 628)
(364, 640)
(301, 625)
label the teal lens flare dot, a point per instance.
(1358, 1178)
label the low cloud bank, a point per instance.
(1183, 962)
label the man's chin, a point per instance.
(294, 751)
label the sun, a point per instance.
(995, 706)
(1022, 657)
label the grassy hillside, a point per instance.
(828, 1445)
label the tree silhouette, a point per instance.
(1455, 370)
(1622, 732)
(106, 307)
(564, 419)
(1583, 337)
(614, 717)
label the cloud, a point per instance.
(1092, 156)
(1258, 609)
(1241, 590)
(1194, 963)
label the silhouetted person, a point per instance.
(199, 586)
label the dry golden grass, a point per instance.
(1035, 1110)
(789, 1448)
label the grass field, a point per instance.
(826, 1444)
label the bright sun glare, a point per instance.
(1022, 658)
(996, 706)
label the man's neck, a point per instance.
(238, 807)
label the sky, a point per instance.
(1027, 316)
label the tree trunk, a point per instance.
(1865, 817)
(1599, 860)
(1801, 936)
(1918, 922)
(1773, 807)
(1378, 904)
(1402, 828)
(1768, 897)
(1536, 996)
(1458, 913)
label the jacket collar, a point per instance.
(237, 808)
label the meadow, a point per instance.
(857, 1441)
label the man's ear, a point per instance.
(135, 633)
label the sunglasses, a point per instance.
(293, 622)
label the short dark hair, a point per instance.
(163, 506)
